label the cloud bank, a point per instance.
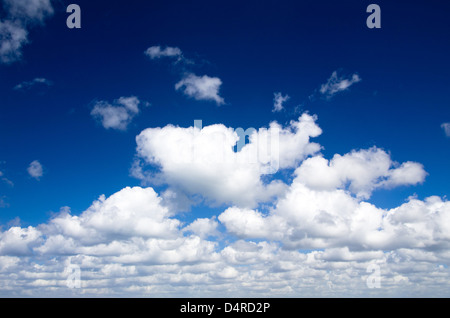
(314, 233)
(446, 127)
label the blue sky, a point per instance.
(253, 49)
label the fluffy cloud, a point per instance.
(446, 127)
(129, 244)
(197, 87)
(362, 171)
(117, 116)
(201, 87)
(21, 15)
(35, 170)
(19, 241)
(319, 236)
(203, 162)
(310, 219)
(336, 84)
(278, 101)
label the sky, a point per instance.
(120, 159)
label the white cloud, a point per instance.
(362, 171)
(446, 127)
(19, 241)
(130, 245)
(336, 84)
(12, 37)
(245, 223)
(29, 84)
(311, 219)
(31, 11)
(203, 228)
(155, 52)
(21, 16)
(278, 101)
(117, 116)
(203, 162)
(35, 170)
(201, 87)
(127, 213)
(316, 238)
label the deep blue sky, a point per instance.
(256, 48)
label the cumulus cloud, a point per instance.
(19, 241)
(35, 170)
(201, 87)
(203, 227)
(446, 127)
(312, 219)
(337, 84)
(360, 171)
(278, 101)
(117, 116)
(21, 15)
(318, 236)
(129, 244)
(201, 161)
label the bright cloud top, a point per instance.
(337, 84)
(315, 235)
(21, 15)
(203, 162)
(201, 87)
(117, 116)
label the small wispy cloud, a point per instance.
(446, 127)
(278, 101)
(3, 203)
(336, 84)
(6, 180)
(118, 115)
(201, 87)
(29, 84)
(35, 170)
(156, 52)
